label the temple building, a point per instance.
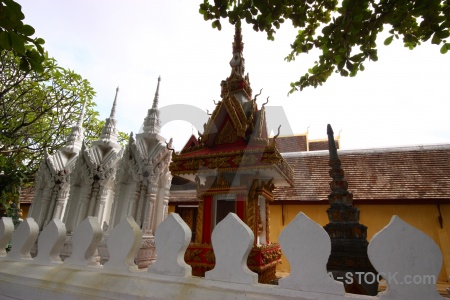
(52, 184)
(143, 182)
(235, 168)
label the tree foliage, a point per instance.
(15, 36)
(344, 31)
(37, 112)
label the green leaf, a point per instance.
(445, 48)
(39, 41)
(18, 43)
(5, 42)
(388, 41)
(435, 40)
(27, 30)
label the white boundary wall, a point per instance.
(408, 258)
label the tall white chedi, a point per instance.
(92, 182)
(143, 182)
(52, 183)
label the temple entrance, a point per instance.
(223, 207)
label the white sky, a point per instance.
(403, 99)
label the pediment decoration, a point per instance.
(227, 134)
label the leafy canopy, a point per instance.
(37, 112)
(343, 31)
(15, 36)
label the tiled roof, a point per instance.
(316, 145)
(421, 172)
(26, 195)
(293, 143)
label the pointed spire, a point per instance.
(109, 131)
(156, 99)
(339, 186)
(238, 45)
(113, 109)
(151, 122)
(237, 63)
(331, 143)
(237, 83)
(81, 117)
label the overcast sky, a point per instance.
(403, 99)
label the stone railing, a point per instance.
(407, 259)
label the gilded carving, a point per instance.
(268, 221)
(227, 135)
(193, 254)
(209, 256)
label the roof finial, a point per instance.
(113, 109)
(155, 101)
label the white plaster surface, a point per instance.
(123, 244)
(172, 238)
(232, 242)
(50, 242)
(399, 247)
(405, 254)
(307, 247)
(23, 239)
(6, 231)
(85, 239)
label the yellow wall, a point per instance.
(375, 217)
(171, 209)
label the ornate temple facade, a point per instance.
(54, 176)
(235, 168)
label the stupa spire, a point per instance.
(74, 140)
(109, 131)
(156, 99)
(151, 122)
(339, 186)
(81, 117)
(113, 109)
(237, 63)
(238, 82)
